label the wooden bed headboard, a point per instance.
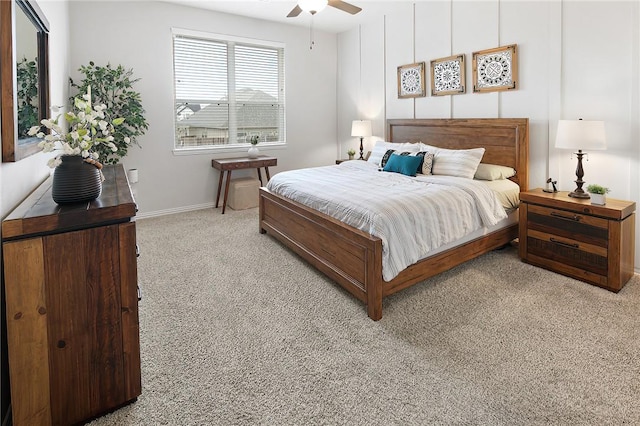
(505, 140)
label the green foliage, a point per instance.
(351, 152)
(114, 88)
(597, 189)
(27, 96)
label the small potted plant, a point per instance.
(598, 194)
(253, 150)
(351, 152)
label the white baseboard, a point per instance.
(175, 210)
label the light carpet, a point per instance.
(237, 330)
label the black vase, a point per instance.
(75, 181)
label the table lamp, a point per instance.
(580, 134)
(360, 129)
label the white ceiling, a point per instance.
(330, 19)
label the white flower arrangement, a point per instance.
(88, 126)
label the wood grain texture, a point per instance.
(83, 277)
(627, 249)
(8, 132)
(130, 322)
(592, 243)
(506, 140)
(614, 209)
(102, 283)
(243, 162)
(355, 261)
(69, 334)
(39, 214)
(27, 331)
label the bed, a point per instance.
(353, 258)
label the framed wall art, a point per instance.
(411, 80)
(495, 69)
(447, 76)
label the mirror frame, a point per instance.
(11, 149)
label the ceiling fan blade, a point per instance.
(344, 6)
(294, 12)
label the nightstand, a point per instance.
(342, 160)
(570, 236)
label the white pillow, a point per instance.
(493, 172)
(508, 192)
(457, 162)
(430, 148)
(381, 147)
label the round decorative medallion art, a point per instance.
(411, 80)
(495, 69)
(447, 76)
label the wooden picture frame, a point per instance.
(448, 76)
(495, 69)
(411, 82)
(24, 31)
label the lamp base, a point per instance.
(579, 193)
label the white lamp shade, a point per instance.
(581, 134)
(361, 128)
(312, 6)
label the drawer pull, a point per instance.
(562, 243)
(574, 218)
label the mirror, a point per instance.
(24, 85)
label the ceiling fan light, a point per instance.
(312, 6)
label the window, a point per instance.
(227, 90)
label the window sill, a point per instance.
(227, 150)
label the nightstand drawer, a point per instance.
(568, 251)
(568, 225)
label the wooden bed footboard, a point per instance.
(348, 256)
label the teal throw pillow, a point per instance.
(388, 154)
(405, 164)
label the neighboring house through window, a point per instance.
(227, 89)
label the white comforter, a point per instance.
(411, 215)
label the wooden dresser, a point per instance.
(72, 305)
(592, 243)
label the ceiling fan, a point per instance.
(315, 6)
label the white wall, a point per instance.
(17, 180)
(138, 36)
(576, 59)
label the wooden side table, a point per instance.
(570, 236)
(229, 164)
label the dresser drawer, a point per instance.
(572, 228)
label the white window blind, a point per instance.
(226, 91)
